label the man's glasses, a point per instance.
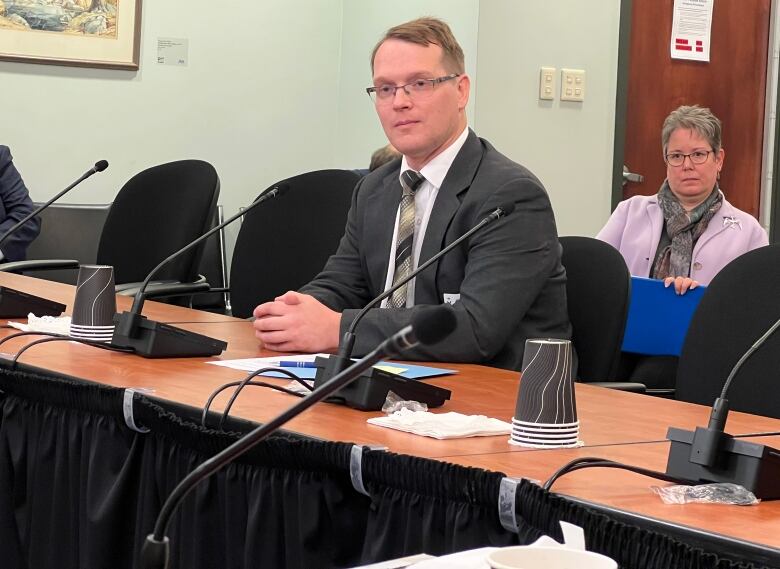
(416, 89)
(697, 157)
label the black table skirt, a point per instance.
(80, 489)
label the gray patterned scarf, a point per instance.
(683, 228)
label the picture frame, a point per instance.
(81, 33)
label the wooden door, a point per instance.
(732, 84)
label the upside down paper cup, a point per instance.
(95, 303)
(546, 409)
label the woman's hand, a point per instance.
(681, 284)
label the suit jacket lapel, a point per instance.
(380, 219)
(456, 182)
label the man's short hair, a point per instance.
(426, 31)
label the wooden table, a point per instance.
(607, 417)
(630, 492)
(621, 426)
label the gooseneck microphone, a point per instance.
(427, 327)
(348, 341)
(370, 391)
(98, 167)
(156, 340)
(15, 303)
(710, 454)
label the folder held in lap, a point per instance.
(658, 318)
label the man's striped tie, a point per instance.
(410, 181)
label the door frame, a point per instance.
(621, 100)
(770, 192)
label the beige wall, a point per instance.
(275, 87)
(568, 145)
(256, 100)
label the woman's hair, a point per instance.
(425, 31)
(696, 118)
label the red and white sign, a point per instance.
(691, 29)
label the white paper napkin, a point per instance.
(442, 425)
(55, 325)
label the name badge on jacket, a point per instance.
(451, 298)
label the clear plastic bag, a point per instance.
(394, 403)
(715, 493)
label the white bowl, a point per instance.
(526, 557)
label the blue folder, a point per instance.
(412, 371)
(658, 318)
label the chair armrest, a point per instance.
(38, 265)
(163, 288)
(667, 392)
(620, 385)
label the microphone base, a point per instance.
(752, 465)
(154, 554)
(369, 391)
(18, 304)
(152, 339)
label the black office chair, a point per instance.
(68, 231)
(157, 212)
(213, 266)
(598, 287)
(740, 304)
(285, 242)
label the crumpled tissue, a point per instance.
(442, 425)
(50, 324)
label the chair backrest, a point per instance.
(68, 231)
(157, 212)
(213, 266)
(740, 304)
(285, 242)
(598, 287)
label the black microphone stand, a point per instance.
(370, 391)
(152, 339)
(709, 454)
(433, 326)
(17, 304)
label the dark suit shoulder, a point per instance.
(372, 178)
(503, 167)
(377, 180)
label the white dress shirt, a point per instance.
(424, 198)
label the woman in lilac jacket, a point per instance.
(688, 231)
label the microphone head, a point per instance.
(282, 189)
(433, 325)
(101, 165)
(507, 208)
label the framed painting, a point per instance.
(84, 33)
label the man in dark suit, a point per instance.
(15, 203)
(506, 283)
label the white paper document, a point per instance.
(692, 29)
(253, 364)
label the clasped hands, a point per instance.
(295, 322)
